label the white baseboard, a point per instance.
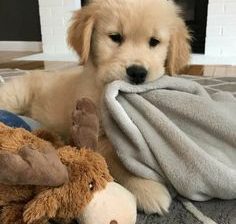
(201, 59)
(20, 46)
(70, 57)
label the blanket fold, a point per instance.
(173, 131)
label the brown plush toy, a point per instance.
(89, 193)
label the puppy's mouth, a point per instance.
(136, 81)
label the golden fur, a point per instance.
(50, 97)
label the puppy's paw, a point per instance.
(84, 107)
(152, 196)
(85, 125)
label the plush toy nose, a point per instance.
(136, 74)
(113, 222)
(118, 206)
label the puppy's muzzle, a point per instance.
(136, 74)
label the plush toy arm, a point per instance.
(31, 167)
(43, 207)
(85, 126)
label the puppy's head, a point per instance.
(134, 40)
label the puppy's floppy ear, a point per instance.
(80, 32)
(179, 48)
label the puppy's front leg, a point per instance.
(15, 95)
(152, 196)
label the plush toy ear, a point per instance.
(179, 48)
(42, 207)
(80, 32)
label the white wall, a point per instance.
(221, 28)
(54, 17)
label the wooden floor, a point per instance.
(6, 56)
(211, 70)
(7, 61)
(32, 65)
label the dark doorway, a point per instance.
(19, 20)
(195, 14)
(83, 2)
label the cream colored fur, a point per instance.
(49, 97)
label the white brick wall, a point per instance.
(221, 28)
(54, 18)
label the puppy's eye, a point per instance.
(153, 42)
(116, 37)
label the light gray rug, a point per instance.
(181, 211)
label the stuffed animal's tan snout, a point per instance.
(113, 205)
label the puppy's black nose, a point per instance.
(136, 74)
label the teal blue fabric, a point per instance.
(32, 123)
(13, 120)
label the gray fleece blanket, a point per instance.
(172, 130)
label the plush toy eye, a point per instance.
(91, 185)
(116, 37)
(153, 42)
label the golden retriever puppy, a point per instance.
(133, 40)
